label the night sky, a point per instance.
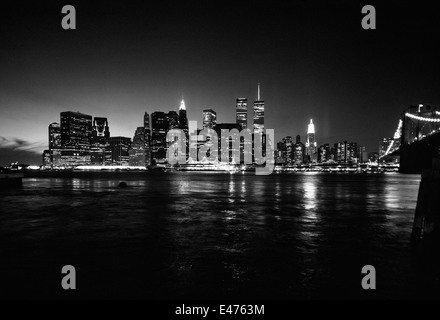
(313, 60)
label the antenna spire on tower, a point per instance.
(258, 97)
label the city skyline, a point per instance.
(313, 62)
(100, 127)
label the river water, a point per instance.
(212, 236)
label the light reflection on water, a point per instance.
(208, 235)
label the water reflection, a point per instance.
(310, 199)
(209, 235)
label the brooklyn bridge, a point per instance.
(417, 138)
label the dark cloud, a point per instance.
(15, 149)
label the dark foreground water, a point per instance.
(198, 235)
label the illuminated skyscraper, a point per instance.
(160, 127)
(324, 153)
(183, 119)
(54, 152)
(311, 145)
(100, 134)
(147, 139)
(100, 128)
(47, 159)
(209, 118)
(347, 152)
(76, 133)
(259, 113)
(54, 136)
(298, 151)
(241, 113)
(76, 130)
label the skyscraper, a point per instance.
(100, 128)
(119, 147)
(286, 148)
(183, 120)
(311, 144)
(173, 120)
(100, 134)
(324, 153)
(160, 127)
(259, 113)
(54, 136)
(47, 161)
(54, 153)
(241, 113)
(76, 132)
(298, 151)
(209, 118)
(347, 152)
(147, 139)
(341, 151)
(137, 148)
(352, 152)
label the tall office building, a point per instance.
(259, 113)
(76, 132)
(173, 120)
(311, 145)
(341, 151)
(119, 147)
(347, 152)
(286, 150)
(53, 155)
(352, 152)
(242, 113)
(137, 148)
(183, 119)
(160, 127)
(298, 151)
(147, 139)
(100, 134)
(324, 153)
(54, 136)
(209, 118)
(47, 161)
(100, 128)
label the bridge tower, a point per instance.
(420, 139)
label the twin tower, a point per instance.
(242, 113)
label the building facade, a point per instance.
(99, 150)
(137, 149)
(119, 148)
(147, 139)
(209, 118)
(242, 113)
(299, 151)
(159, 129)
(259, 113)
(76, 132)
